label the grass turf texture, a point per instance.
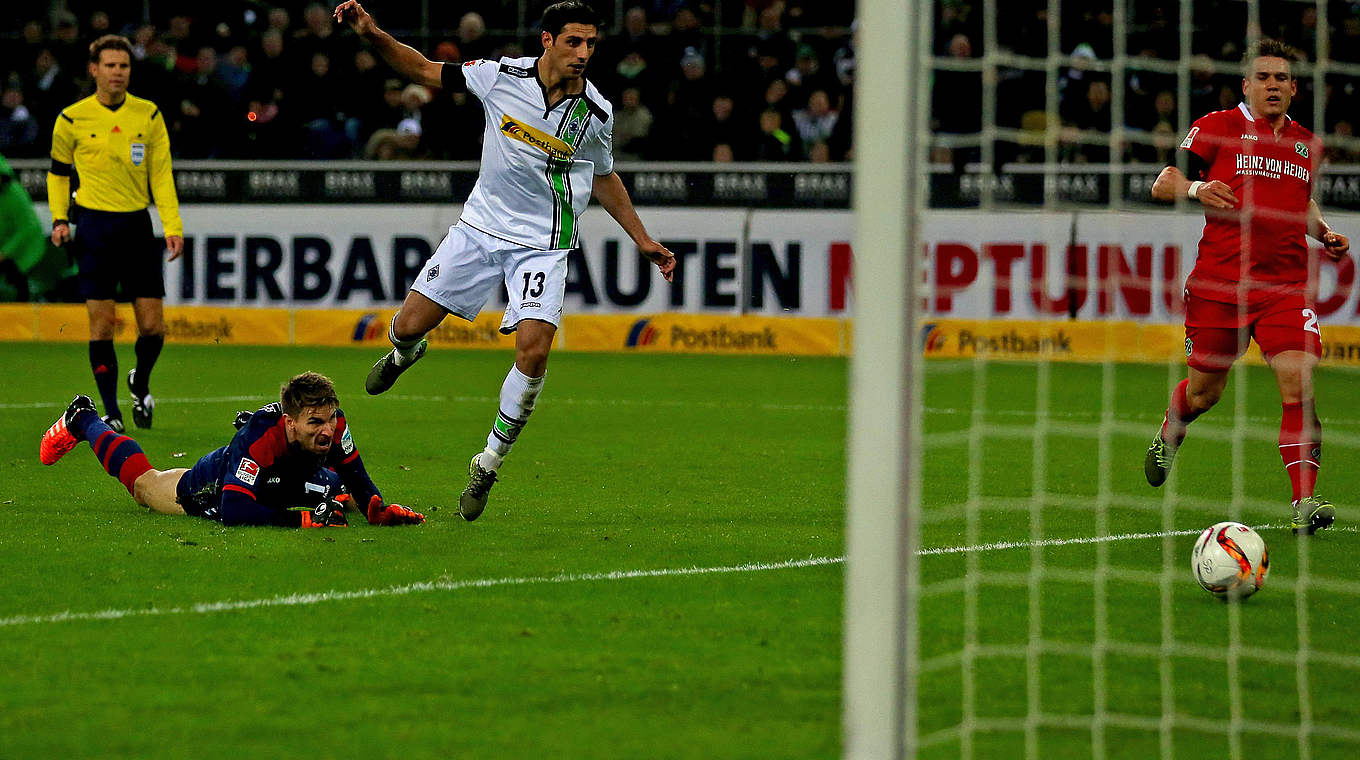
(636, 462)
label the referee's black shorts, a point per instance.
(118, 255)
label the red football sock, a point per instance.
(1178, 415)
(120, 456)
(1301, 446)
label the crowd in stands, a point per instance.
(743, 80)
(1150, 98)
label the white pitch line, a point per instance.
(294, 600)
(1000, 545)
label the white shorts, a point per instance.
(466, 266)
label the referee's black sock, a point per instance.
(148, 350)
(104, 364)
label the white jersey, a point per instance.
(539, 160)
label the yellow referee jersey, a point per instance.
(122, 156)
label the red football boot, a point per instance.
(59, 438)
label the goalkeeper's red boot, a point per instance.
(60, 438)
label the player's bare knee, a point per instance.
(532, 359)
(1202, 399)
(101, 327)
(143, 488)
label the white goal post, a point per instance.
(878, 702)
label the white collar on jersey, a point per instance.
(1247, 113)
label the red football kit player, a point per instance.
(1253, 169)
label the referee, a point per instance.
(118, 147)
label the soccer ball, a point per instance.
(1230, 560)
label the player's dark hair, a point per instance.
(109, 42)
(558, 15)
(310, 390)
(1269, 48)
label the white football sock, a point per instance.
(403, 350)
(518, 393)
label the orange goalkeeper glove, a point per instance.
(391, 514)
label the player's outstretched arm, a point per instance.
(611, 194)
(1335, 245)
(404, 59)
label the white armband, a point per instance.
(1193, 192)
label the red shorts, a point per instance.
(1216, 333)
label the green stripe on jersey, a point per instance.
(558, 176)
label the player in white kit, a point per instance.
(546, 149)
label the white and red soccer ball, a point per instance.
(1230, 560)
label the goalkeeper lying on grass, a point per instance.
(285, 465)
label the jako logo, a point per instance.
(367, 328)
(932, 339)
(641, 334)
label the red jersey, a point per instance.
(1272, 178)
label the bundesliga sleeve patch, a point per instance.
(1190, 138)
(247, 471)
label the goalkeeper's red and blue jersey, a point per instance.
(1272, 177)
(260, 479)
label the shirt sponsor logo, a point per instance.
(1274, 168)
(138, 153)
(516, 71)
(537, 138)
(1190, 138)
(247, 471)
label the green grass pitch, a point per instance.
(509, 637)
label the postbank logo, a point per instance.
(641, 334)
(369, 327)
(537, 138)
(932, 338)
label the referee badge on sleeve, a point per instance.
(138, 153)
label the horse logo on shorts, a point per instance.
(138, 153)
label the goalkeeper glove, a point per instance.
(391, 514)
(327, 514)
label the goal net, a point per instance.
(1014, 585)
